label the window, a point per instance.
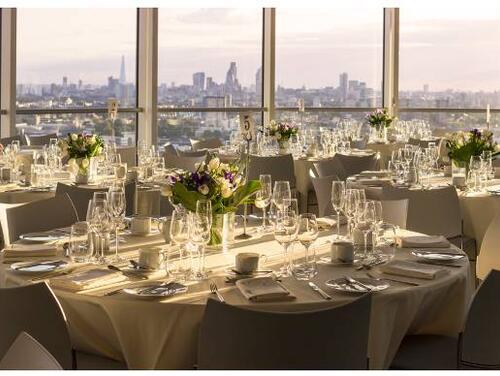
(81, 65)
(207, 58)
(329, 57)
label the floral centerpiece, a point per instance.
(380, 120)
(463, 145)
(221, 183)
(282, 131)
(81, 149)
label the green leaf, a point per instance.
(186, 198)
(245, 191)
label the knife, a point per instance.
(318, 290)
(372, 275)
(358, 285)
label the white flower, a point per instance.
(278, 136)
(166, 191)
(213, 164)
(197, 165)
(72, 166)
(226, 192)
(74, 137)
(85, 163)
(99, 150)
(203, 189)
(92, 140)
(237, 179)
(223, 167)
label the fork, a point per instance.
(215, 290)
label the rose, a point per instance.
(226, 192)
(203, 189)
(73, 137)
(213, 164)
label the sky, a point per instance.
(445, 47)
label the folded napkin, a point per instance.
(375, 181)
(88, 279)
(326, 223)
(376, 174)
(264, 289)
(412, 269)
(20, 252)
(422, 241)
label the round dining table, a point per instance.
(162, 333)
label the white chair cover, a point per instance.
(236, 338)
(128, 155)
(37, 140)
(210, 143)
(26, 353)
(185, 163)
(395, 212)
(330, 167)
(354, 164)
(190, 153)
(279, 167)
(323, 189)
(169, 149)
(489, 256)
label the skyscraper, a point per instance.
(199, 81)
(65, 81)
(258, 82)
(232, 83)
(343, 82)
(123, 79)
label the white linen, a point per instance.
(413, 269)
(422, 241)
(87, 279)
(264, 289)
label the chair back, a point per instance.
(353, 164)
(431, 211)
(184, 163)
(395, 212)
(42, 215)
(330, 167)
(480, 347)
(128, 155)
(359, 144)
(169, 149)
(489, 255)
(209, 143)
(190, 153)
(80, 197)
(26, 353)
(323, 189)
(320, 339)
(280, 167)
(34, 309)
(40, 140)
(8, 140)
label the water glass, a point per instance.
(263, 198)
(285, 230)
(304, 262)
(79, 250)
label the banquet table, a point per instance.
(162, 333)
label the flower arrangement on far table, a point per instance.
(282, 131)
(380, 120)
(463, 145)
(221, 183)
(81, 149)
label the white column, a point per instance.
(147, 75)
(8, 73)
(268, 59)
(391, 60)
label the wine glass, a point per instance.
(263, 197)
(199, 232)
(281, 192)
(337, 199)
(99, 223)
(179, 235)
(305, 268)
(117, 205)
(366, 223)
(285, 230)
(350, 202)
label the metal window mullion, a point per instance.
(147, 75)
(391, 60)
(268, 59)
(8, 72)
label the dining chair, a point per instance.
(169, 149)
(359, 144)
(395, 212)
(280, 167)
(80, 196)
(434, 212)
(323, 190)
(182, 162)
(26, 353)
(191, 153)
(237, 338)
(330, 167)
(489, 255)
(209, 143)
(8, 140)
(39, 140)
(354, 164)
(477, 347)
(42, 215)
(128, 155)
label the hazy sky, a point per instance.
(448, 47)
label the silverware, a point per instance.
(151, 288)
(318, 290)
(357, 284)
(372, 275)
(125, 273)
(441, 264)
(215, 290)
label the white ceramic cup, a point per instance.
(151, 258)
(140, 225)
(343, 251)
(246, 262)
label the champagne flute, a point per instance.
(350, 202)
(337, 199)
(200, 232)
(179, 235)
(307, 233)
(99, 222)
(263, 197)
(117, 205)
(281, 192)
(285, 230)
(367, 222)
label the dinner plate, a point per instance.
(35, 267)
(437, 256)
(341, 284)
(156, 290)
(42, 237)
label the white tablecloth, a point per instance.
(162, 334)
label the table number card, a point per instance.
(112, 108)
(247, 126)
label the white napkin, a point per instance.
(377, 174)
(375, 181)
(19, 252)
(412, 269)
(88, 279)
(422, 241)
(326, 223)
(263, 289)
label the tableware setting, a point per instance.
(43, 237)
(39, 267)
(358, 285)
(156, 290)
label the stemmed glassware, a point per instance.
(281, 192)
(100, 221)
(117, 206)
(337, 199)
(179, 235)
(199, 232)
(263, 197)
(350, 203)
(305, 268)
(367, 222)
(285, 230)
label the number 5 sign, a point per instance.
(247, 126)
